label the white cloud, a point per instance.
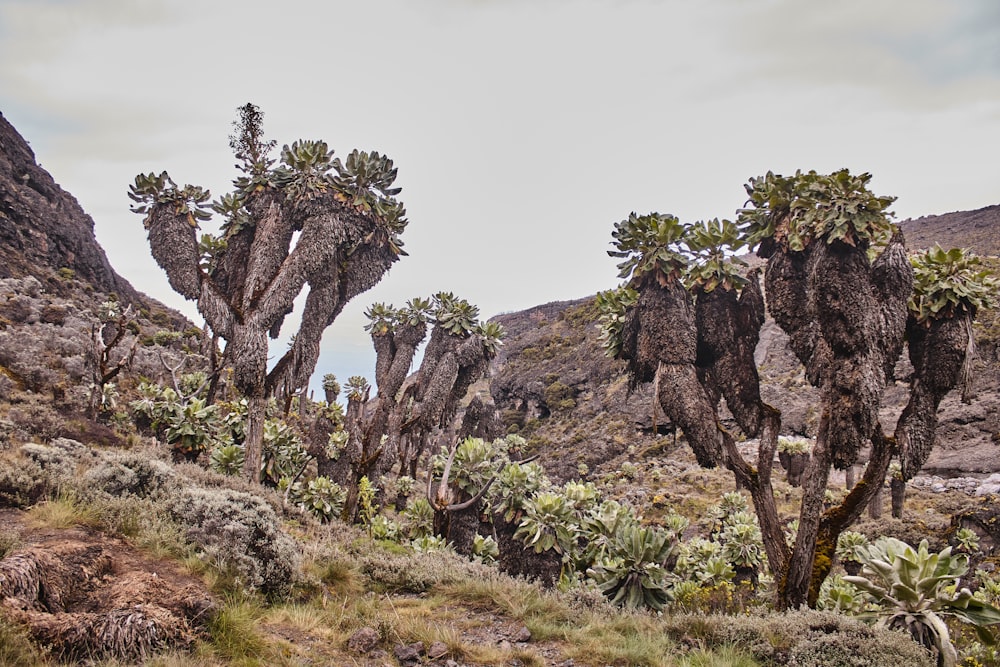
(522, 130)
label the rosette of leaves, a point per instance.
(417, 311)
(419, 518)
(109, 311)
(675, 524)
(456, 316)
(709, 242)
(365, 176)
(485, 549)
(231, 206)
(306, 168)
(583, 496)
(516, 483)
(848, 545)
(156, 403)
(357, 388)
(384, 528)
(837, 595)
(382, 319)
(652, 242)
(548, 523)
(331, 388)
(234, 419)
(743, 544)
(799, 209)
(613, 306)
(714, 572)
(598, 528)
(336, 442)
(150, 189)
(321, 497)
(966, 541)
(951, 282)
(227, 459)
(428, 543)
(472, 466)
(210, 249)
(633, 574)
(793, 445)
(190, 428)
(492, 335)
(916, 589)
(404, 485)
(284, 454)
(732, 507)
(693, 554)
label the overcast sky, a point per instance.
(522, 129)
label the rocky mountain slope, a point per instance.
(554, 385)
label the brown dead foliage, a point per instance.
(85, 595)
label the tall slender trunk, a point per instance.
(795, 591)
(253, 445)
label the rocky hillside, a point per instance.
(554, 385)
(45, 233)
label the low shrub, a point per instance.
(22, 481)
(239, 532)
(131, 474)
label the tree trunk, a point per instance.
(897, 488)
(850, 477)
(253, 444)
(795, 592)
(875, 505)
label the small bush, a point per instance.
(131, 474)
(239, 532)
(22, 482)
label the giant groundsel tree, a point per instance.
(310, 220)
(839, 283)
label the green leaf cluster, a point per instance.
(652, 242)
(191, 427)
(357, 388)
(548, 523)
(474, 464)
(613, 305)
(709, 242)
(457, 316)
(384, 318)
(947, 283)
(150, 190)
(797, 210)
(227, 459)
(284, 454)
(916, 588)
(492, 334)
(633, 573)
(516, 484)
(321, 497)
(305, 173)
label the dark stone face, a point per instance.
(42, 227)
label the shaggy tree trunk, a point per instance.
(253, 443)
(897, 489)
(340, 253)
(875, 505)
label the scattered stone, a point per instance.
(408, 653)
(523, 635)
(988, 489)
(437, 650)
(363, 641)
